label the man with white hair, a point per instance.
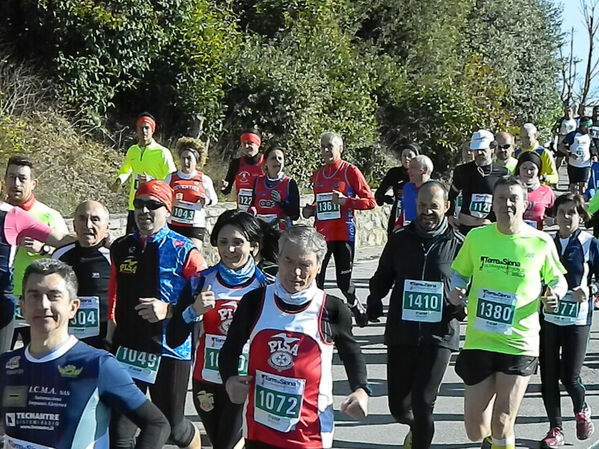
(475, 180)
(419, 171)
(90, 259)
(339, 189)
(529, 142)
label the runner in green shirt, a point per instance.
(506, 265)
(144, 161)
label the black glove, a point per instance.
(374, 309)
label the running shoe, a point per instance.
(584, 425)
(359, 312)
(553, 439)
(487, 443)
(407, 442)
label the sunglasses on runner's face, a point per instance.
(150, 204)
(505, 146)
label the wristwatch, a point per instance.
(46, 249)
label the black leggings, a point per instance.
(168, 394)
(343, 252)
(414, 374)
(222, 419)
(572, 341)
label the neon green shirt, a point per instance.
(594, 203)
(511, 165)
(506, 274)
(154, 160)
(24, 258)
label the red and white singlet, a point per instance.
(290, 403)
(187, 205)
(266, 208)
(333, 221)
(245, 179)
(215, 325)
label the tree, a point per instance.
(589, 10)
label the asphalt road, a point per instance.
(380, 431)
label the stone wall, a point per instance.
(372, 225)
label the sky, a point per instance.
(573, 18)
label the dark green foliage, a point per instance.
(380, 72)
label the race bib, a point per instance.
(278, 400)
(137, 180)
(19, 318)
(458, 205)
(495, 311)
(140, 365)
(244, 199)
(214, 343)
(480, 205)
(325, 209)
(269, 218)
(14, 443)
(86, 322)
(184, 212)
(567, 312)
(422, 301)
(399, 208)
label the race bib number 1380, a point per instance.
(495, 311)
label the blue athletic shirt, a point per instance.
(63, 399)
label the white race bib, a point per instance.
(184, 212)
(269, 218)
(278, 400)
(495, 311)
(567, 312)
(19, 318)
(399, 208)
(86, 322)
(244, 199)
(140, 365)
(422, 301)
(325, 208)
(480, 205)
(137, 180)
(214, 343)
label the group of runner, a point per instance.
(256, 331)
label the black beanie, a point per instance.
(529, 156)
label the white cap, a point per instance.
(481, 140)
(530, 128)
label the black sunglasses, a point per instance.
(150, 204)
(505, 146)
